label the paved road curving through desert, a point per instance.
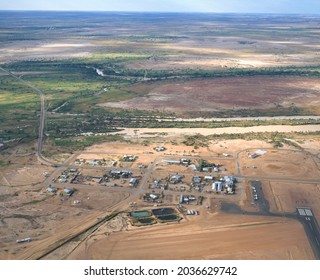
(42, 115)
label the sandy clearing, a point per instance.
(214, 149)
(242, 119)
(288, 197)
(279, 163)
(311, 145)
(169, 132)
(235, 237)
(27, 50)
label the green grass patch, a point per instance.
(116, 57)
(3, 163)
(19, 108)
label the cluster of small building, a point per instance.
(199, 182)
(81, 179)
(152, 197)
(227, 184)
(183, 161)
(117, 174)
(163, 183)
(95, 162)
(63, 178)
(129, 158)
(75, 177)
(159, 184)
(203, 165)
(210, 169)
(175, 179)
(160, 148)
(80, 161)
(66, 191)
(186, 199)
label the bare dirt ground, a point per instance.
(311, 145)
(212, 237)
(286, 197)
(142, 151)
(48, 220)
(130, 133)
(215, 148)
(233, 52)
(28, 210)
(29, 50)
(280, 163)
(225, 93)
(72, 248)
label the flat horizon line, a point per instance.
(165, 12)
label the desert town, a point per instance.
(127, 189)
(123, 139)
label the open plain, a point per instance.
(198, 142)
(225, 93)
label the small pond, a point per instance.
(163, 211)
(146, 220)
(139, 214)
(168, 218)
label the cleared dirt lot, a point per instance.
(286, 197)
(213, 237)
(224, 93)
(214, 148)
(280, 163)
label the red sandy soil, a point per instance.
(225, 93)
(209, 237)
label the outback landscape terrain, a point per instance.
(159, 136)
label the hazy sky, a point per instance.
(249, 6)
